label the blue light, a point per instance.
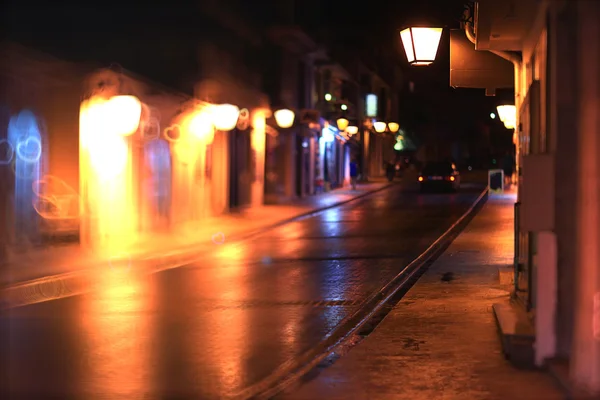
(25, 139)
(328, 135)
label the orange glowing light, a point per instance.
(201, 126)
(393, 127)
(452, 178)
(124, 113)
(420, 179)
(106, 174)
(225, 116)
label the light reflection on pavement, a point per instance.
(213, 328)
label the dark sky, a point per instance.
(371, 23)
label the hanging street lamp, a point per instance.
(421, 44)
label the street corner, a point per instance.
(120, 262)
(218, 238)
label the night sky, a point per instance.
(82, 31)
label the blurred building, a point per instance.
(552, 47)
(38, 137)
(373, 88)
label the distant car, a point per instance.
(439, 176)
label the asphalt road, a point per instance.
(215, 328)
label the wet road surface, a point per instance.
(215, 328)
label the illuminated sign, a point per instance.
(371, 105)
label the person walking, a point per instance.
(353, 173)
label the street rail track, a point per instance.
(368, 313)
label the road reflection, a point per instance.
(118, 334)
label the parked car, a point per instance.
(439, 176)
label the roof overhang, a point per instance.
(470, 68)
(503, 25)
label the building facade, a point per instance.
(554, 49)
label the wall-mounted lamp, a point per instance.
(393, 127)
(125, 113)
(508, 115)
(284, 118)
(225, 116)
(352, 130)
(380, 126)
(342, 124)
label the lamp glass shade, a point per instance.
(284, 118)
(352, 130)
(124, 113)
(380, 126)
(225, 116)
(421, 44)
(393, 127)
(507, 112)
(510, 123)
(342, 124)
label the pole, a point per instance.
(517, 250)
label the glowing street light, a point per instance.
(201, 126)
(225, 116)
(352, 130)
(380, 126)
(508, 115)
(284, 118)
(393, 127)
(328, 97)
(492, 115)
(342, 124)
(421, 44)
(124, 113)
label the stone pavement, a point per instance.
(34, 264)
(441, 339)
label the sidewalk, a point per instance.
(441, 339)
(172, 248)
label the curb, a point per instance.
(54, 287)
(289, 372)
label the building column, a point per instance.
(563, 115)
(313, 148)
(585, 360)
(365, 154)
(258, 143)
(290, 164)
(6, 186)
